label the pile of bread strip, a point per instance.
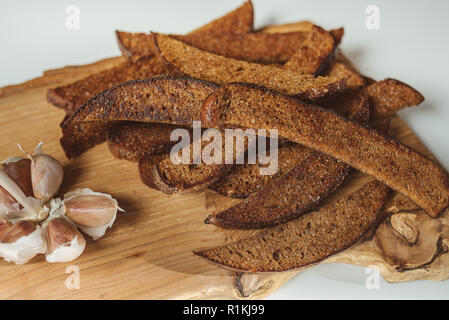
(291, 78)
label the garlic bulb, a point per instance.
(93, 212)
(21, 241)
(65, 242)
(46, 174)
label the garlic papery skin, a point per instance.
(19, 245)
(46, 174)
(65, 242)
(33, 209)
(93, 212)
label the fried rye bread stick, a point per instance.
(238, 21)
(398, 166)
(163, 99)
(244, 180)
(196, 63)
(299, 190)
(308, 239)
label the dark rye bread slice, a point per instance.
(308, 239)
(337, 68)
(200, 64)
(238, 21)
(251, 47)
(405, 170)
(389, 96)
(301, 189)
(243, 180)
(133, 141)
(163, 99)
(289, 196)
(314, 51)
(70, 97)
(171, 177)
(80, 137)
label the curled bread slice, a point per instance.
(200, 64)
(308, 239)
(163, 99)
(133, 141)
(407, 171)
(389, 96)
(239, 21)
(313, 52)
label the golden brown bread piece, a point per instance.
(133, 141)
(308, 239)
(163, 99)
(301, 189)
(239, 21)
(389, 96)
(200, 64)
(400, 167)
(315, 50)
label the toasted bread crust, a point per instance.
(295, 193)
(389, 96)
(82, 137)
(300, 190)
(243, 180)
(163, 99)
(337, 68)
(70, 97)
(184, 59)
(134, 141)
(318, 46)
(308, 239)
(136, 46)
(403, 169)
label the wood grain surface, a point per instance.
(148, 251)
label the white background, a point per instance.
(411, 45)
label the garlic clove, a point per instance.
(32, 208)
(46, 174)
(90, 210)
(22, 241)
(19, 170)
(18, 230)
(4, 228)
(93, 212)
(65, 242)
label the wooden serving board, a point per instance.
(148, 252)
